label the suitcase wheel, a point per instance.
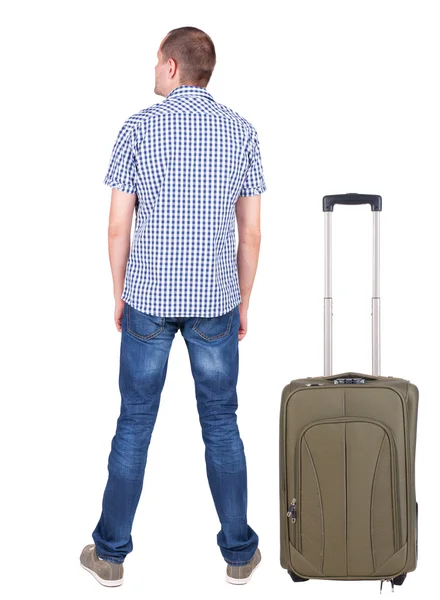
(399, 579)
(296, 578)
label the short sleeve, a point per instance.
(254, 184)
(121, 172)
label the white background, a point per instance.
(345, 98)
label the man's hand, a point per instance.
(243, 321)
(119, 310)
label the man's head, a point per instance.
(186, 56)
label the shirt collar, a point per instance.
(190, 90)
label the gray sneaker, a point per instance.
(107, 573)
(242, 573)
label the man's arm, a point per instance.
(119, 231)
(247, 210)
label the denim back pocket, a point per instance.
(212, 328)
(143, 326)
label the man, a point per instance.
(188, 166)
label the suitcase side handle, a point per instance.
(351, 375)
(349, 381)
(328, 202)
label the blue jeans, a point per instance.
(213, 350)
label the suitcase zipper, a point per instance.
(292, 515)
(292, 510)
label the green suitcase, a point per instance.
(348, 507)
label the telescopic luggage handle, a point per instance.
(350, 199)
(328, 203)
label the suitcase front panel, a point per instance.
(346, 506)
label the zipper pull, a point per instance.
(292, 510)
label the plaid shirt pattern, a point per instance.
(187, 159)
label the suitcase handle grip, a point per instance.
(328, 202)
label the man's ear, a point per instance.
(172, 67)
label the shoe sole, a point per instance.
(106, 582)
(236, 581)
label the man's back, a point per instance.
(183, 165)
(187, 159)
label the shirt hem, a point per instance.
(145, 309)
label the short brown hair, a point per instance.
(193, 51)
